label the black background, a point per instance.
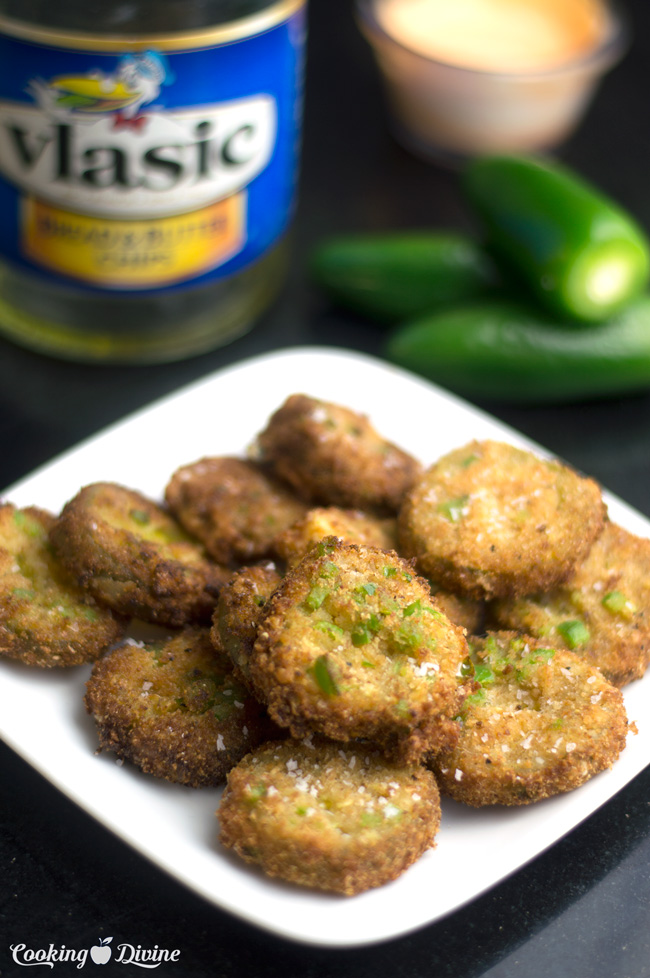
(579, 911)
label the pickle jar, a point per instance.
(148, 161)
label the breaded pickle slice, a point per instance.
(133, 557)
(45, 619)
(493, 520)
(602, 612)
(353, 526)
(333, 456)
(542, 722)
(342, 820)
(233, 506)
(468, 613)
(331, 521)
(239, 611)
(174, 708)
(350, 645)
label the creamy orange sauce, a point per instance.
(496, 35)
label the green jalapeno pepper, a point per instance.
(512, 352)
(580, 253)
(395, 276)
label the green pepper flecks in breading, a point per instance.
(45, 619)
(174, 708)
(326, 521)
(350, 645)
(602, 612)
(542, 722)
(333, 456)
(340, 820)
(133, 557)
(239, 610)
(493, 520)
(234, 507)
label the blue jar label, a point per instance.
(149, 164)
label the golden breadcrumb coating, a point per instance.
(468, 613)
(543, 722)
(238, 613)
(492, 520)
(233, 506)
(602, 612)
(45, 619)
(350, 645)
(133, 557)
(331, 521)
(174, 708)
(333, 456)
(332, 818)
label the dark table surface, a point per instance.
(579, 911)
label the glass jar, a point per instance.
(148, 159)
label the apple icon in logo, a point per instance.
(101, 953)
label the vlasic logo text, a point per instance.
(97, 141)
(99, 954)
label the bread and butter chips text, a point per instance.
(133, 557)
(602, 612)
(350, 645)
(493, 520)
(238, 613)
(341, 819)
(233, 506)
(174, 708)
(542, 722)
(45, 619)
(333, 456)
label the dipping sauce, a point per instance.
(496, 35)
(481, 76)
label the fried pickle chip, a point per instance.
(350, 645)
(45, 619)
(332, 456)
(331, 521)
(493, 520)
(468, 613)
(133, 557)
(602, 612)
(174, 708)
(543, 722)
(234, 507)
(353, 526)
(341, 820)
(238, 613)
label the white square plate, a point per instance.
(43, 719)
